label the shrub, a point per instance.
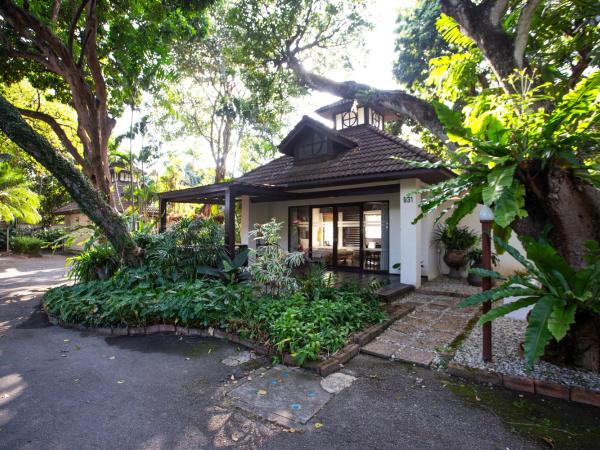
(53, 238)
(272, 268)
(293, 323)
(26, 244)
(555, 290)
(180, 251)
(96, 263)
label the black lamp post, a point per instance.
(486, 217)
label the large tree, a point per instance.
(95, 56)
(541, 63)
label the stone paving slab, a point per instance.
(289, 396)
(435, 323)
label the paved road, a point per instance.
(64, 389)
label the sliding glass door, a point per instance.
(353, 236)
(348, 236)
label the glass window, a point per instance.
(312, 145)
(299, 238)
(322, 235)
(376, 242)
(348, 248)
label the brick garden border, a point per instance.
(528, 385)
(323, 368)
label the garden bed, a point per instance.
(508, 367)
(320, 331)
(324, 366)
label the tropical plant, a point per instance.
(26, 244)
(456, 241)
(557, 291)
(458, 238)
(179, 252)
(17, 200)
(98, 262)
(272, 266)
(230, 271)
(136, 297)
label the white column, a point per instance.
(410, 234)
(245, 220)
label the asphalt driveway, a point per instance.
(65, 389)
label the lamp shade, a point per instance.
(486, 214)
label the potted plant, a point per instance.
(474, 260)
(457, 242)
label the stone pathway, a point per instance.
(434, 324)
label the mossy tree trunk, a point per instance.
(90, 200)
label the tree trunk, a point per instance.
(581, 346)
(569, 205)
(89, 199)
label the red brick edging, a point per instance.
(529, 385)
(323, 368)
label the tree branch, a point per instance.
(397, 101)
(523, 28)
(482, 24)
(60, 133)
(73, 24)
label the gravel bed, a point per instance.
(507, 334)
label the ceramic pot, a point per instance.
(455, 260)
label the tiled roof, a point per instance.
(345, 102)
(374, 155)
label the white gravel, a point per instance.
(507, 334)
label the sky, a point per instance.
(372, 66)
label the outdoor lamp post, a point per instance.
(486, 217)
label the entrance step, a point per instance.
(394, 291)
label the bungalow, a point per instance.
(346, 195)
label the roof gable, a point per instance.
(307, 126)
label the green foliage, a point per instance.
(98, 262)
(265, 32)
(134, 45)
(499, 133)
(17, 200)
(52, 237)
(307, 328)
(26, 244)
(230, 271)
(418, 42)
(178, 253)
(272, 267)
(457, 238)
(556, 290)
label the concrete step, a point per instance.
(394, 291)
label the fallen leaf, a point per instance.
(262, 392)
(120, 381)
(318, 425)
(187, 359)
(111, 357)
(477, 398)
(235, 438)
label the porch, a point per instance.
(340, 242)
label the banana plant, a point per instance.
(554, 288)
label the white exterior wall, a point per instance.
(411, 245)
(263, 212)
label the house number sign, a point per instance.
(407, 198)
